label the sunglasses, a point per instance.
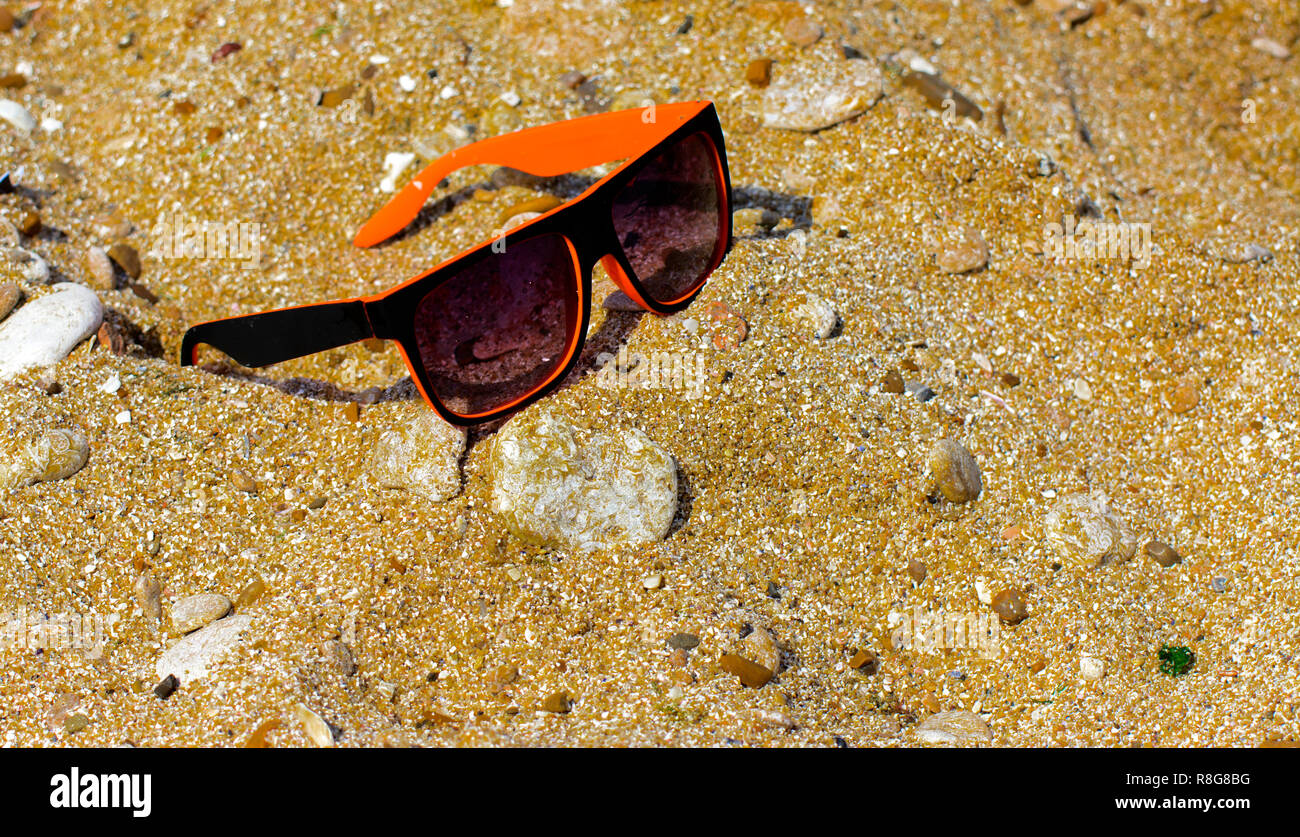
(497, 327)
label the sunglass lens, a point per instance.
(669, 219)
(502, 327)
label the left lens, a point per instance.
(669, 219)
(501, 327)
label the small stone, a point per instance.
(1087, 532)
(75, 723)
(968, 253)
(865, 662)
(314, 725)
(13, 81)
(395, 163)
(982, 592)
(127, 259)
(420, 455)
(337, 96)
(802, 31)
(652, 582)
(1010, 605)
(761, 647)
(148, 593)
(1163, 554)
(193, 612)
(229, 48)
(821, 92)
(1271, 47)
(167, 687)
(558, 703)
(685, 642)
(955, 727)
(9, 296)
(1184, 396)
(29, 224)
(99, 269)
(750, 673)
(916, 569)
(243, 482)
(759, 72)
(557, 484)
(17, 116)
(185, 107)
(955, 471)
(817, 316)
(921, 392)
(771, 719)
(252, 591)
(1091, 668)
(194, 657)
(892, 383)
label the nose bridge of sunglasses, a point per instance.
(545, 151)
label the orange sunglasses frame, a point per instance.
(585, 222)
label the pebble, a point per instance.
(167, 687)
(1163, 554)
(148, 593)
(802, 31)
(818, 316)
(921, 392)
(194, 656)
(750, 673)
(1091, 668)
(314, 725)
(759, 72)
(53, 455)
(1087, 532)
(955, 727)
(9, 296)
(395, 163)
(559, 485)
(243, 482)
(559, 703)
(339, 657)
(917, 570)
(865, 662)
(966, 254)
(420, 455)
(252, 591)
(30, 223)
(1010, 605)
(955, 471)
(892, 383)
(772, 719)
(75, 724)
(821, 92)
(761, 647)
(194, 612)
(686, 642)
(30, 266)
(1184, 396)
(127, 259)
(1271, 47)
(17, 116)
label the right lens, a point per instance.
(668, 218)
(502, 327)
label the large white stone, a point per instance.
(45, 330)
(192, 657)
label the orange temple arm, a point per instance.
(544, 151)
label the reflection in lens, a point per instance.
(667, 218)
(499, 328)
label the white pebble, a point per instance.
(111, 385)
(45, 330)
(17, 116)
(394, 164)
(123, 417)
(1092, 668)
(406, 83)
(449, 92)
(511, 98)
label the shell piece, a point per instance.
(557, 484)
(818, 93)
(54, 455)
(1086, 531)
